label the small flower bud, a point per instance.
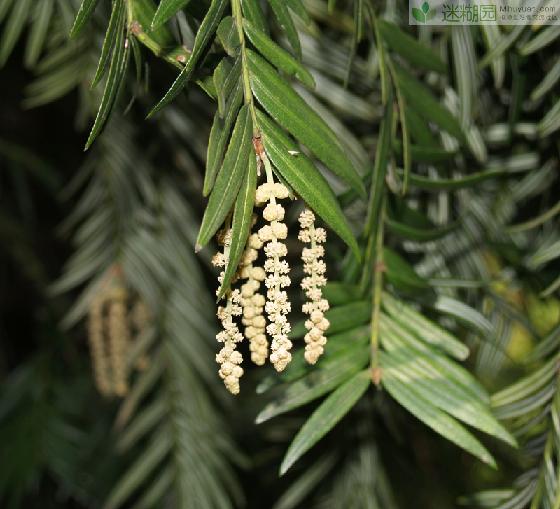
(316, 316)
(280, 191)
(265, 233)
(279, 230)
(273, 212)
(258, 273)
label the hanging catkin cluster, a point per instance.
(253, 302)
(110, 330)
(314, 268)
(119, 338)
(140, 319)
(277, 305)
(228, 357)
(250, 303)
(98, 348)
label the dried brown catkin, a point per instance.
(119, 339)
(98, 348)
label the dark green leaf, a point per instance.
(137, 56)
(406, 147)
(341, 293)
(465, 314)
(329, 413)
(38, 32)
(253, 12)
(276, 55)
(497, 50)
(358, 34)
(117, 70)
(241, 223)
(220, 77)
(305, 179)
(435, 184)
(418, 372)
(299, 489)
(545, 37)
(400, 273)
(4, 8)
(392, 332)
(551, 121)
(145, 464)
(84, 12)
(549, 81)
(228, 35)
(428, 414)
(418, 234)
(293, 113)
(219, 135)
(382, 154)
(551, 288)
(299, 8)
(339, 345)
(420, 130)
(317, 383)
(421, 99)
(143, 12)
(418, 54)
(342, 318)
(428, 331)
(143, 423)
(158, 488)
(166, 10)
(287, 23)
(205, 33)
(425, 154)
(13, 28)
(229, 178)
(116, 22)
(543, 254)
(528, 385)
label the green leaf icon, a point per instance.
(425, 7)
(418, 15)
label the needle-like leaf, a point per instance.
(293, 113)
(166, 10)
(276, 55)
(205, 33)
(240, 224)
(229, 179)
(84, 12)
(327, 415)
(305, 179)
(408, 47)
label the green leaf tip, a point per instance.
(325, 417)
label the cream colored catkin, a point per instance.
(229, 358)
(277, 305)
(253, 302)
(314, 268)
